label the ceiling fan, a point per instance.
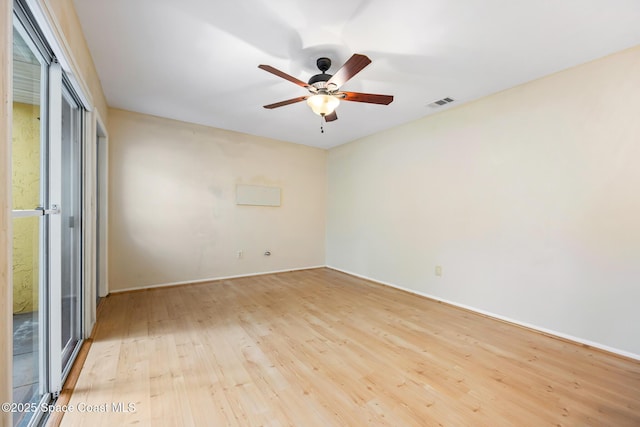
(324, 89)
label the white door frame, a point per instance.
(55, 228)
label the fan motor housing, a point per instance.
(319, 80)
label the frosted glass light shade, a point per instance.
(323, 105)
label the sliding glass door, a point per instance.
(47, 222)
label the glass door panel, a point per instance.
(71, 228)
(27, 373)
(28, 160)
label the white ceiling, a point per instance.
(197, 60)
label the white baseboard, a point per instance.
(213, 279)
(502, 318)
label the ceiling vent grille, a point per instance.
(440, 102)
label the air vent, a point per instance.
(441, 102)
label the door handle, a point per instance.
(55, 210)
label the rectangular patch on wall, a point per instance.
(256, 195)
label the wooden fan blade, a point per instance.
(331, 117)
(370, 98)
(353, 66)
(284, 75)
(287, 102)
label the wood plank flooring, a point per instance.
(322, 348)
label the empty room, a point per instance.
(293, 213)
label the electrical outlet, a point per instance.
(439, 270)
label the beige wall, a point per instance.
(528, 199)
(172, 210)
(6, 311)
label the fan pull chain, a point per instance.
(321, 124)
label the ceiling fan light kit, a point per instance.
(324, 89)
(322, 104)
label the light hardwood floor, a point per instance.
(322, 348)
